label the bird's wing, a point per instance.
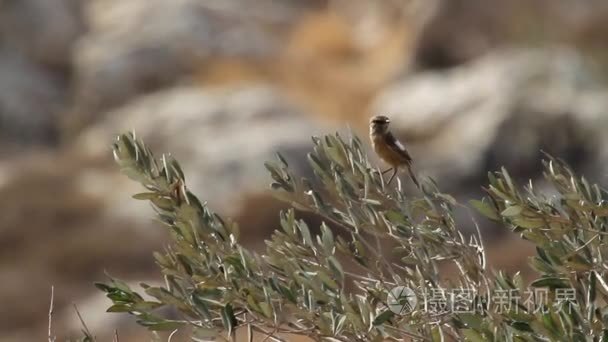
(398, 147)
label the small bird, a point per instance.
(391, 150)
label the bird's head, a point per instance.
(379, 124)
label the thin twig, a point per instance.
(274, 331)
(406, 333)
(249, 331)
(269, 334)
(84, 325)
(598, 232)
(481, 248)
(582, 247)
(115, 339)
(171, 335)
(51, 337)
(361, 277)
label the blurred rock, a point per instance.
(335, 64)
(53, 233)
(460, 30)
(138, 46)
(501, 109)
(30, 100)
(42, 30)
(221, 136)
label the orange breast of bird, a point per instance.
(386, 153)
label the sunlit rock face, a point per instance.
(501, 109)
(221, 135)
(139, 46)
(30, 100)
(43, 31)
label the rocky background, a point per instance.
(471, 85)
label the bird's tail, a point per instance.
(412, 176)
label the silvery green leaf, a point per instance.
(602, 281)
(204, 334)
(383, 317)
(336, 268)
(146, 196)
(165, 325)
(327, 238)
(305, 233)
(485, 209)
(318, 166)
(327, 280)
(511, 211)
(550, 282)
(228, 319)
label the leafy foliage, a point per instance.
(335, 285)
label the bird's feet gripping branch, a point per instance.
(388, 148)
